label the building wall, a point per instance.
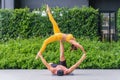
(106, 5)
(9, 4)
(108, 8)
(52, 3)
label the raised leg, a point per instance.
(54, 23)
(62, 58)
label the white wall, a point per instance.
(9, 4)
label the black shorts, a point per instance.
(60, 63)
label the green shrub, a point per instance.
(20, 54)
(5, 20)
(21, 23)
(14, 23)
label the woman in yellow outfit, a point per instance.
(58, 36)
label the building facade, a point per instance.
(107, 9)
(7, 4)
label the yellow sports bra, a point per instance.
(69, 37)
(59, 36)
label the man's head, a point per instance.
(73, 47)
(60, 72)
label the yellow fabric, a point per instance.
(55, 25)
(69, 36)
(57, 34)
(53, 38)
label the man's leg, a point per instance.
(62, 57)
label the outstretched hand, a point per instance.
(38, 55)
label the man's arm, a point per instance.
(45, 62)
(77, 64)
(81, 59)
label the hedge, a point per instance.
(20, 54)
(118, 22)
(23, 23)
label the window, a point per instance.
(108, 26)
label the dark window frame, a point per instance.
(110, 22)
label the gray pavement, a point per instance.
(78, 74)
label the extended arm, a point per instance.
(81, 59)
(45, 62)
(77, 64)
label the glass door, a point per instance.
(108, 26)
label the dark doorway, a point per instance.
(0, 4)
(17, 3)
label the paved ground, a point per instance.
(46, 75)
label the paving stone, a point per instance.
(78, 74)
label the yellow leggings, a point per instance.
(57, 34)
(55, 25)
